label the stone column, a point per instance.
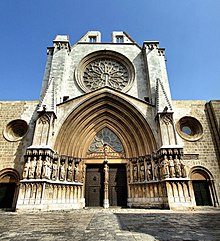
(106, 176)
(106, 179)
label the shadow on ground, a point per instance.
(173, 226)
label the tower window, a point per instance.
(119, 39)
(92, 39)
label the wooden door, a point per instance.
(94, 185)
(117, 185)
(202, 194)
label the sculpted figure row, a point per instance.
(147, 169)
(48, 168)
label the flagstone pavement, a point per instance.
(110, 224)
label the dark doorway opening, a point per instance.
(202, 193)
(7, 192)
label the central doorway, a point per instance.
(117, 188)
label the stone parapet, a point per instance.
(50, 195)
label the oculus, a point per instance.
(105, 68)
(15, 130)
(189, 128)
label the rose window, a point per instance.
(105, 72)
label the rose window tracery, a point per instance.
(105, 72)
(106, 136)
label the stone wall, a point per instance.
(11, 152)
(202, 152)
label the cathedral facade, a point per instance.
(106, 132)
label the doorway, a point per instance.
(117, 185)
(117, 190)
(201, 192)
(201, 186)
(7, 191)
(94, 185)
(8, 188)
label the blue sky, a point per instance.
(189, 30)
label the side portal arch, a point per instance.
(203, 186)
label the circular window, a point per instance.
(105, 68)
(189, 128)
(15, 130)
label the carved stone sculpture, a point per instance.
(177, 166)
(46, 169)
(142, 174)
(135, 173)
(62, 171)
(39, 167)
(106, 172)
(156, 171)
(165, 167)
(26, 168)
(128, 173)
(32, 168)
(76, 172)
(70, 172)
(54, 170)
(183, 169)
(149, 171)
(171, 167)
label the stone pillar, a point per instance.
(106, 176)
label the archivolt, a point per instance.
(9, 175)
(105, 110)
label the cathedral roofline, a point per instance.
(108, 90)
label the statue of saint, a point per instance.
(156, 171)
(135, 173)
(171, 167)
(54, 170)
(149, 171)
(106, 173)
(70, 172)
(183, 169)
(32, 168)
(177, 166)
(26, 168)
(39, 167)
(165, 167)
(62, 171)
(128, 172)
(76, 173)
(142, 174)
(46, 168)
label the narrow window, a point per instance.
(92, 39)
(119, 39)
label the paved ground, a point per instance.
(110, 224)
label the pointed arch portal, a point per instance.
(105, 110)
(104, 131)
